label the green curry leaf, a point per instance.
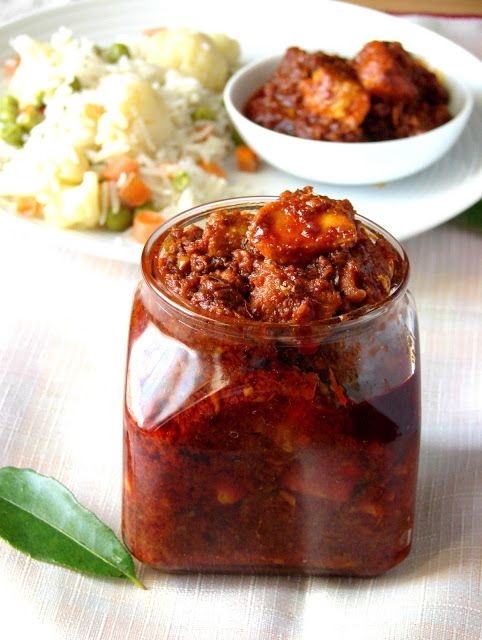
(471, 219)
(42, 518)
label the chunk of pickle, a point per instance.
(229, 492)
(225, 233)
(323, 475)
(336, 95)
(301, 226)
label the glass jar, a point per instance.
(270, 448)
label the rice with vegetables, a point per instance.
(104, 137)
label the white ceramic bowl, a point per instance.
(343, 162)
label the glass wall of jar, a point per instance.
(270, 448)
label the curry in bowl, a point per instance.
(383, 93)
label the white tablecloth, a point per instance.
(63, 326)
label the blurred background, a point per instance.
(454, 7)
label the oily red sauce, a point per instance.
(383, 93)
(269, 481)
(249, 454)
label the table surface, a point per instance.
(63, 327)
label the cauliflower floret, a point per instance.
(192, 54)
(73, 166)
(134, 112)
(74, 206)
(45, 66)
(229, 48)
(36, 72)
(36, 168)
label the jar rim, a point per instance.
(336, 324)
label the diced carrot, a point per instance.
(213, 168)
(10, 66)
(247, 159)
(28, 207)
(153, 31)
(134, 192)
(168, 169)
(119, 165)
(145, 223)
(204, 131)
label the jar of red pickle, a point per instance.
(265, 446)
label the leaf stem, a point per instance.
(137, 582)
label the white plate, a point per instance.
(405, 207)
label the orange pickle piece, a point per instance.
(334, 91)
(385, 69)
(301, 225)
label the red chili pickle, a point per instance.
(272, 405)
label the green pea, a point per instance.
(203, 113)
(9, 102)
(39, 99)
(116, 51)
(181, 181)
(12, 133)
(30, 118)
(99, 51)
(119, 220)
(75, 84)
(147, 205)
(236, 138)
(7, 115)
(8, 108)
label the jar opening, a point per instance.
(189, 315)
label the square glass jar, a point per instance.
(254, 447)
